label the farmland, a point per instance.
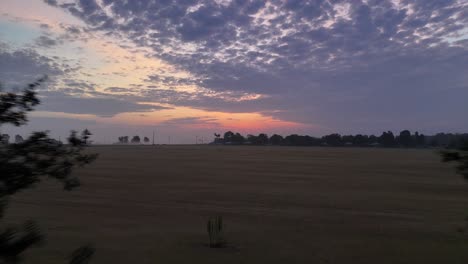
(145, 204)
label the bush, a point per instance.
(215, 232)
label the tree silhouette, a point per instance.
(238, 139)
(387, 139)
(405, 138)
(24, 164)
(146, 140)
(262, 139)
(136, 140)
(228, 137)
(276, 139)
(360, 140)
(333, 140)
(18, 139)
(85, 135)
(123, 140)
(347, 139)
(4, 139)
(419, 140)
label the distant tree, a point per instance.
(387, 139)
(123, 140)
(18, 139)
(347, 139)
(333, 140)
(85, 135)
(24, 164)
(298, 140)
(146, 140)
(251, 139)
(136, 140)
(373, 140)
(447, 140)
(4, 139)
(262, 139)
(312, 141)
(228, 137)
(405, 139)
(238, 139)
(360, 140)
(276, 140)
(419, 140)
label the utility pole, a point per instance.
(153, 137)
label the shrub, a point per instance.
(215, 232)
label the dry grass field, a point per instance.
(144, 204)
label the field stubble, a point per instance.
(145, 204)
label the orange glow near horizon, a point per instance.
(109, 62)
(207, 120)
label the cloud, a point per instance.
(63, 93)
(100, 106)
(46, 42)
(333, 62)
(20, 67)
(188, 121)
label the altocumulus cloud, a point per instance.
(344, 64)
(19, 67)
(100, 106)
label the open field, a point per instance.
(141, 204)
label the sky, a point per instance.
(190, 68)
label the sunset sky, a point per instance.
(191, 68)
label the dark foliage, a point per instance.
(261, 139)
(123, 140)
(387, 139)
(232, 138)
(459, 156)
(136, 140)
(404, 140)
(27, 162)
(215, 232)
(276, 139)
(14, 107)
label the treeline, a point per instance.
(387, 139)
(134, 140)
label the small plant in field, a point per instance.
(215, 232)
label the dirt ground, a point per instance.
(145, 204)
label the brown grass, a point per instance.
(141, 204)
